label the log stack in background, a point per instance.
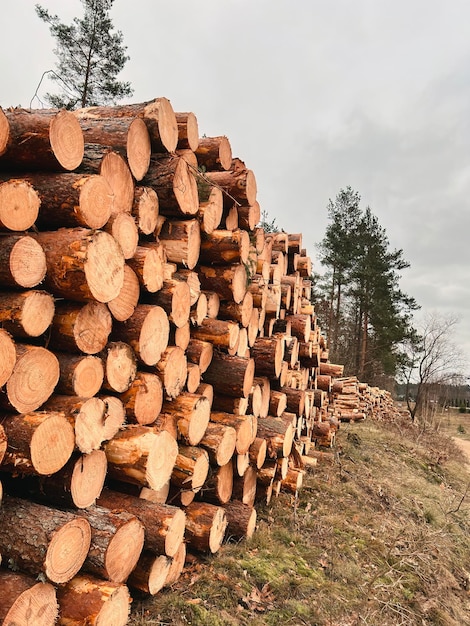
(162, 369)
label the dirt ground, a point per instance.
(464, 445)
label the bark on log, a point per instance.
(230, 282)
(7, 356)
(39, 539)
(158, 115)
(23, 600)
(241, 312)
(164, 524)
(229, 404)
(22, 261)
(218, 486)
(130, 137)
(80, 375)
(214, 153)
(224, 247)
(268, 353)
(176, 566)
(257, 452)
(244, 487)
(200, 352)
(239, 183)
(241, 520)
(80, 327)
(245, 427)
(279, 436)
(26, 314)
(142, 456)
(174, 297)
(82, 264)
(191, 468)
(220, 333)
(219, 441)
(181, 240)
(205, 526)
(150, 573)
(89, 600)
(43, 139)
(230, 375)
(173, 181)
(117, 540)
(191, 412)
(188, 130)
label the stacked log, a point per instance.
(177, 375)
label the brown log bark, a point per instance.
(218, 486)
(277, 403)
(244, 487)
(220, 333)
(120, 366)
(33, 379)
(23, 600)
(245, 427)
(123, 306)
(30, 435)
(191, 468)
(164, 524)
(191, 412)
(150, 574)
(148, 264)
(279, 436)
(268, 353)
(176, 566)
(43, 139)
(173, 181)
(147, 331)
(200, 352)
(39, 539)
(230, 282)
(181, 240)
(26, 314)
(117, 540)
(205, 526)
(240, 312)
(230, 404)
(219, 441)
(3, 449)
(142, 456)
(127, 136)
(301, 326)
(172, 369)
(82, 264)
(78, 327)
(22, 261)
(224, 247)
(158, 115)
(241, 520)
(89, 600)
(257, 452)
(331, 369)
(80, 375)
(188, 130)
(214, 153)
(230, 375)
(175, 299)
(143, 399)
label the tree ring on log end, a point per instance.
(68, 550)
(66, 137)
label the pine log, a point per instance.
(130, 137)
(82, 264)
(142, 456)
(40, 540)
(277, 403)
(230, 375)
(147, 331)
(191, 468)
(239, 183)
(33, 379)
(172, 369)
(224, 247)
(241, 520)
(245, 427)
(143, 399)
(249, 216)
(229, 282)
(80, 375)
(218, 486)
(244, 487)
(123, 227)
(188, 130)
(219, 441)
(210, 210)
(214, 153)
(200, 352)
(148, 265)
(213, 303)
(158, 115)
(176, 566)
(117, 540)
(240, 312)
(123, 305)
(89, 600)
(181, 240)
(292, 483)
(205, 526)
(191, 412)
(257, 452)
(331, 369)
(268, 353)
(220, 333)
(295, 400)
(174, 297)
(279, 436)
(230, 404)
(7, 356)
(163, 524)
(173, 181)
(150, 573)
(26, 314)
(22, 261)
(78, 327)
(43, 139)
(94, 419)
(23, 600)
(265, 386)
(145, 209)
(120, 366)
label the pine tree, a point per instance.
(90, 56)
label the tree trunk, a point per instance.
(244, 425)
(210, 210)
(188, 131)
(219, 441)
(231, 375)
(224, 247)
(120, 366)
(219, 333)
(218, 486)
(229, 282)
(172, 369)
(148, 264)
(145, 209)
(175, 299)
(214, 153)
(39, 539)
(78, 327)
(241, 519)
(16, 193)
(123, 227)
(151, 572)
(205, 526)
(191, 468)
(171, 178)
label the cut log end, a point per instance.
(124, 550)
(27, 262)
(55, 434)
(88, 478)
(67, 550)
(66, 139)
(19, 205)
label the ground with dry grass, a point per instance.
(381, 537)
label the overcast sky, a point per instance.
(313, 96)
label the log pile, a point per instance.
(162, 369)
